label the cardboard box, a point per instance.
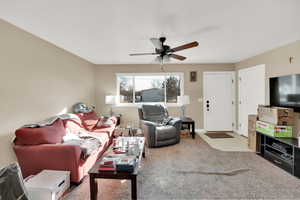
(252, 122)
(253, 138)
(276, 115)
(48, 185)
(274, 130)
(254, 141)
(184, 133)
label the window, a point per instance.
(138, 88)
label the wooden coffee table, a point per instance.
(95, 174)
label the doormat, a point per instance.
(218, 135)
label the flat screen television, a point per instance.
(285, 91)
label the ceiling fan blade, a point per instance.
(178, 57)
(157, 43)
(185, 46)
(142, 54)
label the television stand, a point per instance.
(283, 152)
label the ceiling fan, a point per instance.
(165, 52)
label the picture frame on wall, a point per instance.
(193, 76)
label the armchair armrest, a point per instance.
(149, 131)
(34, 158)
(149, 123)
(176, 122)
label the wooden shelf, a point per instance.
(274, 154)
(270, 146)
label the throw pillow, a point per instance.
(89, 120)
(73, 125)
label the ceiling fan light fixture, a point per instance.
(166, 58)
(158, 59)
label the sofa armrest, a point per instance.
(35, 158)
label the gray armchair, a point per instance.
(158, 127)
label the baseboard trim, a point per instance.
(200, 131)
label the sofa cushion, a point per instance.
(102, 136)
(89, 120)
(43, 135)
(105, 130)
(73, 125)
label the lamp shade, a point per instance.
(184, 100)
(110, 99)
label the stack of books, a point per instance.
(108, 163)
(107, 166)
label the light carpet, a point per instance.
(194, 170)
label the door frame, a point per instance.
(238, 130)
(233, 88)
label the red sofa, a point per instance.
(40, 148)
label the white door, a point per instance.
(218, 101)
(251, 85)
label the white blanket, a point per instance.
(51, 120)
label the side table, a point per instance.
(189, 122)
(118, 116)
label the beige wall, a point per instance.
(277, 64)
(276, 61)
(106, 85)
(37, 80)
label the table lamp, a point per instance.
(183, 100)
(110, 100)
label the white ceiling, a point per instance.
(106, 31)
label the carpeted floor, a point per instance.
(194, 170)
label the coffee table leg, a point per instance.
(133, 188)
(93, 188)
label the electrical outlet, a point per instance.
(291, 59)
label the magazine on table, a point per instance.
(108, 163)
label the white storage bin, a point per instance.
(48, 184)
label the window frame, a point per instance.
(134, 104)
